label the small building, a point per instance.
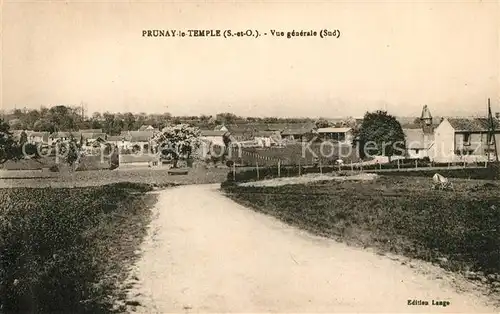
(147, 127)
(120, 141)
(38, 138)
(139, 140)
(63, 137)
(267, 138)
(339, 135)
(465, 139)
(419, 137)
(89, 138)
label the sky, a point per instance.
(390, 55)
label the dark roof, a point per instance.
(300, 128)
(472, 124)
(87, 136)
(76, 135)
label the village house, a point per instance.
(465, 139)
(137, 140)
(419, 138)
(88, 139)
(267, 138)
(149, 128)
(301, 132)
(38, 138)
(120, 141)
(63, 137)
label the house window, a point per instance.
(341, 137)
(466, 140)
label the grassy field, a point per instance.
(65, 250)
(155, 177)
(292, 154)
(459, 230)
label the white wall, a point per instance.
(443, 149)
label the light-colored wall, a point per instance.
(443, 149)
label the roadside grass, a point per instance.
(66, 250)
(459, 230)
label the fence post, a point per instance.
(352, 167)
(234, 171)
(257, 166)
(398, 164)
(299, 167)
(379, 166)
(320, 167)
(416, 163)
(279, 168)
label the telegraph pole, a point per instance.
(492, 132)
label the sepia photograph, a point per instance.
(249, 156)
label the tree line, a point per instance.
(72, 118)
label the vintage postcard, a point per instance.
(249, 156)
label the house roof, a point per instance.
(333, 130)
(116, 138)
(76, 135)
(40, 134)
(265, 133)
(299, 128)
(147, 127)
(472, 124)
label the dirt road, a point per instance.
(206, 253)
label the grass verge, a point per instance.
(459, 230)
(65, 250)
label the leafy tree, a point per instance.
(72, 151)
(322, 123)
(380, 134)
(178, 141)
(23, 138)
(9, 150)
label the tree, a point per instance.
(380, 134)
(179, 141)
(9, 150)
(72, 154)
(322, 123)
